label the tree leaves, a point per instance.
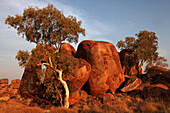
(22, 57)
(144, 47)
(46, 26)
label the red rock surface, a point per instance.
(67, 49)
(156, 70)
(106, 70)
(129, 66)
(81, 75)
(132, 84)
(4, 81)
(108, 97)
(29, 84)
(157, 75)
(74, 93)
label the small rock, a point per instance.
(131, 84)
(108, 97)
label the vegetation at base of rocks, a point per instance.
(48, 28)
(121, 103)
(144, 49)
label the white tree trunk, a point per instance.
(60, 72)
(141, 67)
(66, 99)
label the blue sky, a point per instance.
(106, 20)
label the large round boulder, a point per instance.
(81, 74)
(67, 49)
(106, 70)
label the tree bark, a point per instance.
(141, 66)
(60, 72)
(66, 99)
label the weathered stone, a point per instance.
(75, 94)
(81, 75)
(4, 91)
(157, 75)
(156, 70)
(15, 84)
(157, 93)
(130, 66)
(131, 84)
(15, 81)
(67, 49)
(106, 70)
(84, 95)
(29, 85)
(3, 85)
(4, 81)
(108, 97)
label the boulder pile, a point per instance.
(101, 73)
(106, 72)
(11, 90)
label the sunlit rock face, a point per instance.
(67, 49)
(82, 73)
(106, 70)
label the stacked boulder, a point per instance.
(155, 85)
(14, 87)
(3, 87)
(79, 77)
(99, 70)
(9, 90)
(106, 72)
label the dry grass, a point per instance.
(122, 103)
(16, 107)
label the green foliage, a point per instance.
(22, 57)
(146, 46)
(160, 62)
(46, 26)
(41, 54)
(144, 49)
(127, 44)
(53, 89)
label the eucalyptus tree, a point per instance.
(144, 49)
(47, 28)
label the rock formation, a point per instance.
(82, 73)
(4, 87)
(156, 84)
(67, 49)
(9, 90)
(131, 84)
(14, 87)
(29, 84)
(130, 66)
(106, 72)
(75, 93)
